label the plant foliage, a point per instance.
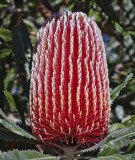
(10, 99)
(115, 92)
(13, 127)
(26, 155)
(4, 53)
(116, 20)
(5, 35)
(22, 49)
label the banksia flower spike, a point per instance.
(69, 89)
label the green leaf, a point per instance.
(120, 132)
(5, 35)
(29, 23)
(9, 77)
(20, 110)
(115, 92)
(118, 135)
(10, 99)
(108, 9)
(118, 142)
(114, 146)
(118, 28)
(131, 33)
(129, 122)
(4, 53)
(129, 156)
(115, 127)
(5, 134)
(22, 49)
(3, 5)
(117, 157)
(13, 101)
(26, 155)
(17, 107)
(105, 151)
(2, 104)
(131, 146)
(13, 127)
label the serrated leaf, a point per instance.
(22, 49)
(117, 157)
(115, 92)
(5, 35)
(105, 151)
(26, 155)
(128, 134)
(4, 53)
(120, 132)
(13, 127)
(129, 122)
(112, 157)
(98, 145)
(115, 127)
(10, 99)
(115, 134)
(118, 142)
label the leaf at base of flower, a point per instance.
(13, 127)
(115, 127)
(28, 154)
(117, 157)
(105, 151)
(119, 136)
(129, 122)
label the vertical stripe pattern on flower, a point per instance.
(69, 88)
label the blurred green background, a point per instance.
(115, 18)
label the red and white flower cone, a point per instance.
(69, 88)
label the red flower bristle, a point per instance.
(69, 89)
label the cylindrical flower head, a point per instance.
(69, 89)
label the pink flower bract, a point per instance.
(69, 89)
